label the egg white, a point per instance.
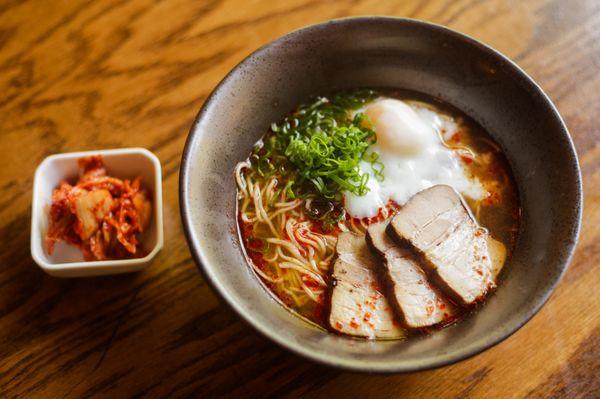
(413, 155)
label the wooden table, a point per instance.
(77, 75)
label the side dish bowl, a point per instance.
(67, 260)
(399, 53)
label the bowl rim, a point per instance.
(36, 248)
(358, 365)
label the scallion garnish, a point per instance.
(325, 144)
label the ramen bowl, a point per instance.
(396, 53)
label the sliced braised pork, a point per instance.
(416, 301)
(453, 248)
(497, 252)
(358, 307)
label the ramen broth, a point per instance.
(289, 224)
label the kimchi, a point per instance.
(102, 215)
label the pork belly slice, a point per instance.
(497, 252)
(416, 301)
(453, 248)
(358, 307)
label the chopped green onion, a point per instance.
(318, 149)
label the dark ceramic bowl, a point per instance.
(384, 52)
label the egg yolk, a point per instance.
(398, 128)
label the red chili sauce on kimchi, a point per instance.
(102, 215)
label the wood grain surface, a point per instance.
(79, 75)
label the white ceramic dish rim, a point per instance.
(37, 209)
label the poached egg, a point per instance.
(411, 149)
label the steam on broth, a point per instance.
(341, 163)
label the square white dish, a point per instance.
(67, 260)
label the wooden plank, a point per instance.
(78, 75)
